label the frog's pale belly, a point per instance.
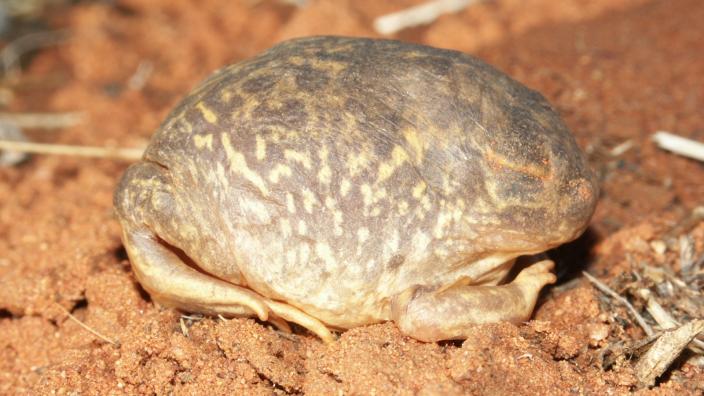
(348, 280)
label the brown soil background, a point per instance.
(617, 70)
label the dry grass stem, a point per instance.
(622, 148)
(677, 144)
(127, 154)
(607, 290)
(88, 328)
(43, 120)
(421, 14)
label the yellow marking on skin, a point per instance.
(411, 136)
(301, 158)
(238, 164)
(420, 213)
(220, 173)
(302, 227)
(419, 243)
(331, 204)
(203, 141)
(402, 208)
(386, 169)
(286, 229)
(337, 219)
(328, 65)
(290, 204)
(308, 200)
(345, 186)
(296, 60)
(425, 202)
(323, 153)
(324, 252)
(367, 194)
(260, 148)
(498, 161)
(375, 212)
(362, 234)
(188, 126)
(391, 245)
(443, 220)
(447, 184)
(208, 114)
(356, 162)
(324, 175)
(254, 209)
(456, 215)
(419, 189)
(278, 171)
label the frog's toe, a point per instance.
(433, 315)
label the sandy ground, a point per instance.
(616, 70)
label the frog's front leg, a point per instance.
(450, 313)
(173, 283)
(150, 219)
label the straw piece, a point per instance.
(128, 154)
(677, 144)
(42, 120)
(421, 14)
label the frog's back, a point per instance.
(332, 170)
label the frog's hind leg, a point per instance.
(172, 282)
(444, 314)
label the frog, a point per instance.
(337, 182)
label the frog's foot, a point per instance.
(433, 315)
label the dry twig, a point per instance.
(88, 328)
(42, 120)
(607, 290)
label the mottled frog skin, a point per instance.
(337, 182)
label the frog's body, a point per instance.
(352, 181)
